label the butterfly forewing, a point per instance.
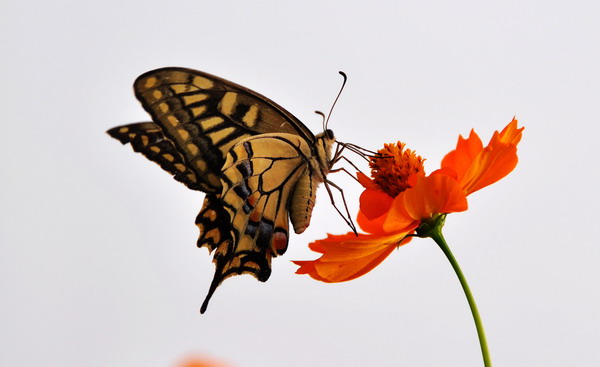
(205, 115)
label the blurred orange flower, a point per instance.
(400, 197)
(200, 361)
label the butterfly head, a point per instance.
(329, 134)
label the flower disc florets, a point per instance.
(393, 165)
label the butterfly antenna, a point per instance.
(323, 116)
(336, 98)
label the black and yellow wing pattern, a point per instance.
(258, 165)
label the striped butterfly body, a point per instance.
(258, 165)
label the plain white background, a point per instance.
(98, 264)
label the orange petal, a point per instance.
(366, 181)
(511, 134)
(495, 161)
(399, 218)
(309, 267)
(374, 203)
(431, 195)
(346, 257)
(461, 158)
(374, 226)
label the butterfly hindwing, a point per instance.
(213, 223)
(257, 189)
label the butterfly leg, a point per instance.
(338, 157)
(338, 152)
(347, 217)
(342, 169)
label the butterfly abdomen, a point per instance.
(304, 196)
(303, 201)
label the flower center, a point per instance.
(393, 165)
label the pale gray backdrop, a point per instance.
(98, 264)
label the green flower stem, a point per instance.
(436, 235)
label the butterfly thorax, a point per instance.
(323, 163)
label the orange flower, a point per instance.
(400, 198)
(200, 361)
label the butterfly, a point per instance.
(258, 164)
